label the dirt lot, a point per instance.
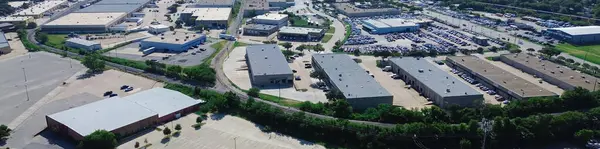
(220, 132)
(236, 70)
(16, 46)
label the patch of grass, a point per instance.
(56, 40)
(589, 53)
(218, 47)
(326, 38)
(331, 30)
(239, 44)
(281, 101)
(131, 63)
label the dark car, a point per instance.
(113, 95)
(108, 93)
(124, 87)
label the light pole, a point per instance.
(235, 143)
(26, 88)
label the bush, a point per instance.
(253, 92)
(199, 119)
(178, 127)
(167, 131)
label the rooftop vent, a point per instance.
(421, 70)
(266, 57)
(448, 90)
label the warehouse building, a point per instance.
(157, 29)
(300, 33)
(504, 83)
(276, 19)
(351, 10)
(384, 26)
(433, 83)
(208, 17)
(212, 4)
(259, 29)
(268, 66)
(122, 116)
(576, 35)
(258, 7)
(83, 22)
(79, 43)
(553, 73)
(345, 75)
(4, 46)
(173, 41)
(16, 20)
(38, 10)
(7, 27)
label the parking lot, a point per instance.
(236, 70)
(189, 58)
(219, 132)
(404, 97)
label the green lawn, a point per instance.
(331, 30)
(590, 53)
(56, 40)
(218, 47)
(326, 38)
(239, 44)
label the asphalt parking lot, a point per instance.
(190, 58)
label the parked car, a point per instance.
(107, 93)
(124, 87)
(113, 95)
(128, 89)
(298, 78)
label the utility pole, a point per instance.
(486, 127)
(235, 143)
(26, 88)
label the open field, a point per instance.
(56, 40)
(219, 132)
(589, 53)
(326, 38)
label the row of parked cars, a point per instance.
(400, 36)
(443, 34)
(374, 48)
(125, 88)
(484, 88)
(360, 39)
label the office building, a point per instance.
(384, 26)
(208, 17)
(268, 66)
(276, 19)
(345, 75)
(300, 33)
(259, 29)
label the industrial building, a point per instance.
(16, 20)
(79, 43)
(351, 10)
(276, 19)
(300, 33)
(576, 35)
(345, 75)
(212, 4)
(7, 27)
(258, 7)
(157, 29)
(268, 66)
(40, 9)
(384, 26)
(173, 41)
(506, 84)
(208, 17)
(123, 116)
(4, 46)
(433, 83)
(83, 22)
(259, 29)
(553, 73)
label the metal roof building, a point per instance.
(345, 75)
(4, 46)
(79, 43)
(301, 33)
(213, 3)
(209, 17)
(83, 22)
(384, 26)
(173, 41)
(124, 115)
(434, 83)
(267, 65)
(259, 29)
(576, 35)
(561, 76)
(276, 19)
(506, 84)
(109, 8)
(38, 10)
(351, 10)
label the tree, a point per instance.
(584, 135)
(341, 108)
(178, 127)
(287, 53)
(31, 25)
(178, 24)
(99, 139)
(301, 48)
(4, 132)
(201, 74)
(530, 49)
(253, 92)
(480, 50)
(41, 37)
(93, 62)
(171, 28)
(173, 71)
(318, 48)
(356, 52)
(334, 94)
(287, 45)
(317, 74)
(137, 144)
(199, 119)
(167, 131)
(550, 51)
(465, 144)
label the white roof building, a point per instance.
(163, 101)
(581, 30)
(40, 8)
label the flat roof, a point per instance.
(174, 37)
(256, 5)
(350, 8)
(109, 8)
(580, 30)
(267, 59)
(214, 2)
(433, 77)
(554, 70)
(40, 8)
(299, 30)
(121, 2)
(107, 114)
(13, 19)
(351, 79)
(260, 26)
(163, 101)
(3, 41)
(387, 23)
(82, 41)
(87, 19)
(501, 77)
(209, 14)
(270, 16)
(16, 4)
